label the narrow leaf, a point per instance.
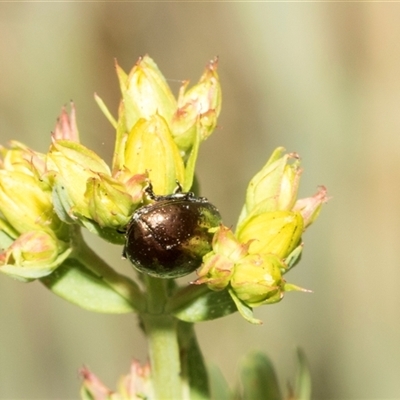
(302, 389)
(197, 303)
(258, 378)
(78, 285)
(219, 387)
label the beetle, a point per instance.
(169, 237)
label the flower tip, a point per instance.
(322, 194)
(66, 127)
(294, 155)
(213, 64)
(84, 372)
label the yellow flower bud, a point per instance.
(34, 239)
(274, 187)
(108, 203)
(71, 165)
(277, 232)
(198, 109)
(24, 203)
(257, 280)
(145, 92)
(150, 148)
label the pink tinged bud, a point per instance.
(216, 271)
(92, 387)
(257, 280)
(206, 94)
(134, 386)
(33, 255)
(310, 207)
(198, 109)
(133, 185)
(66, 127)
(225, 243)
(218, 265)
(137, 384)
(277, 232)
(150, 149)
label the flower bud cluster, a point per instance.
(158, 134)
(157, 138)
(267, 241)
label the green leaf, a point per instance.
(78, 285)
(245, 311)
(109, 234)
(258, 378)
(197, 303)
(302, 389)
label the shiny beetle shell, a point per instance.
(168, 238)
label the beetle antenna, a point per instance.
(149, 191)
(178, 188)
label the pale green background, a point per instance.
(322, 79)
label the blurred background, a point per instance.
(321, 79)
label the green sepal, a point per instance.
(258, 378)
(76, 284)
(245, 311)
(62, 202)
(196, 303)
(110, 234)
(293, 258)
(191, 163)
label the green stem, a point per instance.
(121, 284)
(161, 332)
